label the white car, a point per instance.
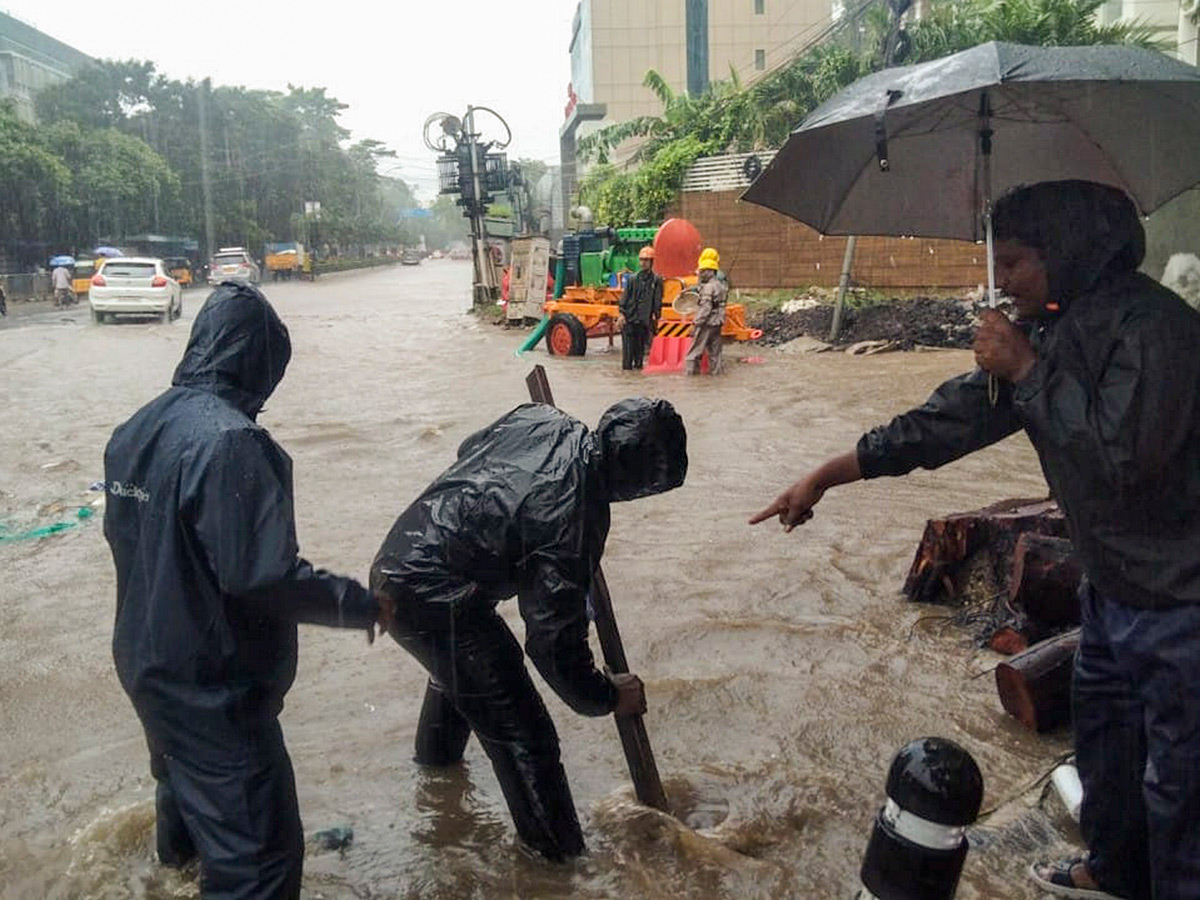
(135, 286)
(232, 264)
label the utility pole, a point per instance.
(205, 186)
(472, 171)
(485, 275)
(891, 42)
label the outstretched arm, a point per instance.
(794, 505)
(244, 525)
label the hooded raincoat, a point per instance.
(210, 587)
(524, 511)
(1111, 407)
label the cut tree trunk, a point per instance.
(1045, 580)
(968, 557)
(1035, 686)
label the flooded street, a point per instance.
(782, 672)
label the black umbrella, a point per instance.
(919, 150)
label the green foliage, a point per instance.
(119, 151)
(34, 182)
(448, 226)
(730, 117)
(951, 27)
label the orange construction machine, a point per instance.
(591, 275)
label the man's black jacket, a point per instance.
(641, 300)
(525, 511)
(199, 519)
(1111, 408)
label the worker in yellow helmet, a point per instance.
(710, 317)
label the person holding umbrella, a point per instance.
(60, 280)
(1102, 373)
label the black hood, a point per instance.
(643, 448)
(238, 350)
(1085, 232)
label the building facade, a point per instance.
(1171, 20)
(690, 43)
(30, 61)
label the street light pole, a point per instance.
(485, 273)
(463, 171)
(205, 187)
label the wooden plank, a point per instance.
(1035, 686)
(632, 729)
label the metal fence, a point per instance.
(27, 286)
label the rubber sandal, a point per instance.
(1059, 882)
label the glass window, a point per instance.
(760, 59)
(129, 270)
(758, 6)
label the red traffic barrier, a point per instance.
(667, 355)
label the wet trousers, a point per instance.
(1136, 703)
(238, 814)
(635, 338)
(479, 683)
(705, 339)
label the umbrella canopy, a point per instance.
(905, 151)
(107, 251)
(63, 260)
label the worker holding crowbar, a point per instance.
(523, 511)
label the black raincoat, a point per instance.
(524, 511)
(1111, 407)
(210, 585)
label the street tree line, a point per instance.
(733, 117)
(121, 150)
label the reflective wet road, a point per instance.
(782, 671)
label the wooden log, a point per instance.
(1035, 686)
(1045, 580)
(632, 729)
(976, 547)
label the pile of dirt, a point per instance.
(903, 323)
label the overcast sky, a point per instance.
(394, 63)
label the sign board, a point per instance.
(527, 278)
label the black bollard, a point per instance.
(919, 843)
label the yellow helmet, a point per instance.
(709, 259)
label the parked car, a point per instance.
(460, 253)
(410, 258)
(233, 264)
(81, 279)
(135, 286)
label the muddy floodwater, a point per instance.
(782, 671)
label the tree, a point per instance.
(120, 151)
(34, 187)
(732, 117)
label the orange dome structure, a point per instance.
(676, 247)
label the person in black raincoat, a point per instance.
(210, 587)
(524, 511)
(640, 306)
(1106, 384)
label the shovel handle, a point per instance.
(632, 729)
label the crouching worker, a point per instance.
(524, 511)
(210, 587)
